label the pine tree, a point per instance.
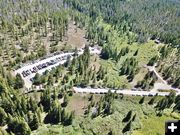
(2, 87)
(142, 100)
(24, 105)
(151, 102)
(37, 79)
(65, 102)
(50, 80)
(134, 117)
(68, 61)
(46, 100)
(63, 117)
(55, 96)
(127, 127)
(38, 112)
(10, 79)
(3, 117)
(19, 82)
(70, 118)
(34, 124)
(91, 97)
(171, 98)
(128, 116)
(136, 53)
(33, 105)
(19, 126)
(162, 104)
(177, 107)
(177, 82)
(177, 99)
(59, 117)
(105, 53)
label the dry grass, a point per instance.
(75, 38)
(79, 102)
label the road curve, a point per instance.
(163, 85)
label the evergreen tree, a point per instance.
(152, 61)
(134, 117)
(136, 53)
(65, 101)
(50, 80)
(70, 118)
(91, 97)
(3, 117)
(127, 127)
(142, 100)
(32, 105)
(68, 61)
(128, 116)
(177, 107)
(162, 104)
(10, 80)
(177, 82)
(19, 127)
(171, 99)
(19, 82)
(151, 102)
(37, 79)
(34, 124)
(177, 99)
(46, 100)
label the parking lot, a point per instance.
(29, 70)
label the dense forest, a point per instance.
(148, 19)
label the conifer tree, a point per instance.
(37, 79)
(151, 102)
(134, 117)
(136, 52)
(34, 124)
(19, 82)
(3, 117)
(127, 127)
(142, 100)
(46, 100)
(177, 107)
(65, 102)
(128, 116)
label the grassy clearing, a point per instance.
(118, 41)
(153, 125)
(113, 75)
(140, 76)
(146, 121)
(57, 130)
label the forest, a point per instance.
(148, 19)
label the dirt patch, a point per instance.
(75, 37)
(79, 103)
